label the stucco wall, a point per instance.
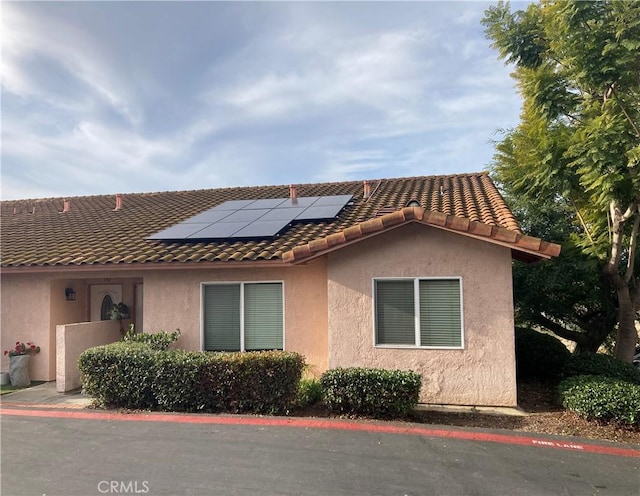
(72, 340)
(25, 317)
(172, 300)
(32, 305)
(483, 373)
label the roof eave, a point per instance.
(524, 248)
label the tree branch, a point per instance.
(563, 332)
(633, 245)
(584, 225)
(624, 111)
(611, 268)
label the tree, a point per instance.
(567, 295)
(578, 140)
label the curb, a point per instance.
(314, 423)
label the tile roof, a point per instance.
(92, 232)
(524, 247)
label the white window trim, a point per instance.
(416, 296)
(242, 283)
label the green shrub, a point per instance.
(156, 340)
(309, 393)
(119, 374)
(603, 398)
(374, 392)
(259, 382)
(599, 364)
(539, 356)
(177, 377)
(133, 375)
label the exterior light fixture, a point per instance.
(70, 294)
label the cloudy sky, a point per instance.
(107, 97)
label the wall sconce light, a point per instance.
(70, 294)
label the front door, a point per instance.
(103, 297)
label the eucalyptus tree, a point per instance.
(577, 67)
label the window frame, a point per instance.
(416, 310)
(242, 308)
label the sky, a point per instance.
(120, 97)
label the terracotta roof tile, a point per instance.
(38, 232)
(523, 247)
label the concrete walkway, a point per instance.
(45, 396)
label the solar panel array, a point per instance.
(266, 218)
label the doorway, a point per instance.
(103, 298)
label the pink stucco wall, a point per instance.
(172, 300)
(32, 305)
(328, 310)
(483, 373)
(25, 317)
(72, 340)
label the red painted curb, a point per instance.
(329, 424)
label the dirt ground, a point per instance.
(544, 417)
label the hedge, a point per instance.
(539, 356)
(133, 375)
(603, 398)
(156, 340)
(599, 364)
(374, 392)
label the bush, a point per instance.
(599, 364)
(309, 393)
(603, 398)
(259, 382)
(119, 374)
(374, 392)
(133, 375)
(156, 340)
(539, 356)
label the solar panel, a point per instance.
(321, 212)
(283, 214)
(180, 231)
(338, 200)
(303, 201)
(210, 216)
(262, 228)
(234, 204)
(268, 203)
(245, 215)
(219, 230)
(262, 218)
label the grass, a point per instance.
(10, 389)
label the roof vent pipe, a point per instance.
(367, 189)
(66, 205)
(293, 192)
(118, 201)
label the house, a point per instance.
(411, 273)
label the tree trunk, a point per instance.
(626, 336)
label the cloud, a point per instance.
(101, 97)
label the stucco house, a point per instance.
(411, 273)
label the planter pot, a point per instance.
(4, 378)
(19, 370)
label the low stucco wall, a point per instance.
(72, 340)
(483, 373)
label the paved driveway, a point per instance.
(126, 454)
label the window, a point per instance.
(418, 312)
(243, 316)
